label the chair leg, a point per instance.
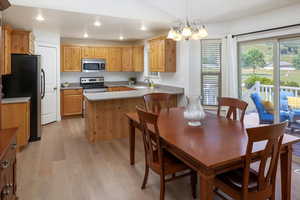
(162, 186)
(194, 183)
(145, 176)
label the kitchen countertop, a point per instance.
(139, 92)
(15, 100)
(72, 86)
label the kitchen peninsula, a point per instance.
(104, 112)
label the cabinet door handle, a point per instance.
(4, 164)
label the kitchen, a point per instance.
(74, 80)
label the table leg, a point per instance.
(286, 173)
(206, 187)
(131, 142)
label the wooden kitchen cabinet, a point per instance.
(114, 62)
(17, 115)
(101, 52)
(127, 59)
(6, 49)
(70, 58)
(8, 163)
(162, 55)
(71, 102)
(22, 42)
(138, 58)
(87, 52)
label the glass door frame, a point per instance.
(276, 69)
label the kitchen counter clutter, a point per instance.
(105, 112)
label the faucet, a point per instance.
(149, 82)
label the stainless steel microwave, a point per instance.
(93, 65)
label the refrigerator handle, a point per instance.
(43, 84)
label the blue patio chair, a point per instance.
(264, 116)
(284, 103)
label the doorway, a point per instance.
(49, 57)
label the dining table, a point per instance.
(217, 146)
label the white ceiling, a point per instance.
(74, 25)
(73, 17)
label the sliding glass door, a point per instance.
(256, 79)
(269, 80)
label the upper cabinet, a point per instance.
(94, 52)
(118, 59)
(138, 58)
(70, 58)
(127, 59)
(87, 52)
(114, 62)
(162, 55)
(101, 52)
(6, 49)
(22, 42)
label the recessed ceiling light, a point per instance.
(143, 28)
(40, 18)
(85, 35)
(97, 23)
(121, 37)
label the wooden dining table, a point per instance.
(217, 146)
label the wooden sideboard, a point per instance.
(8, 145)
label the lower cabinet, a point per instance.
(71, 102)
(17, 115)
(8, 184)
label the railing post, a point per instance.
(257, 86)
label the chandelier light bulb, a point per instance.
(203, 32)
(186, 31)
(172, 33)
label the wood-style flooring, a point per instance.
(64, 166)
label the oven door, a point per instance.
(91, 65)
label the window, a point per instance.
(211, 51)
(153, 74)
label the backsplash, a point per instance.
(74, 77)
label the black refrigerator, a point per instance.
(27, 79)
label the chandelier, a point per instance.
(188, 30)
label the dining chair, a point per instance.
(234, 105)
(154, 102)
(159, 160)
(246, 183)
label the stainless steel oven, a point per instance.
(93, 65)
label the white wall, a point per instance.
(108, 76)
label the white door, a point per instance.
(49, 65)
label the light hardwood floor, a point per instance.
(64, 166)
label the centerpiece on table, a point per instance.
(194, 111)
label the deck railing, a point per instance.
(267, 92)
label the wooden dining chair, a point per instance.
(159, 160)
(246, 183)
(154, 102)
(234, 105)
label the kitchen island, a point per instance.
(105, 112)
